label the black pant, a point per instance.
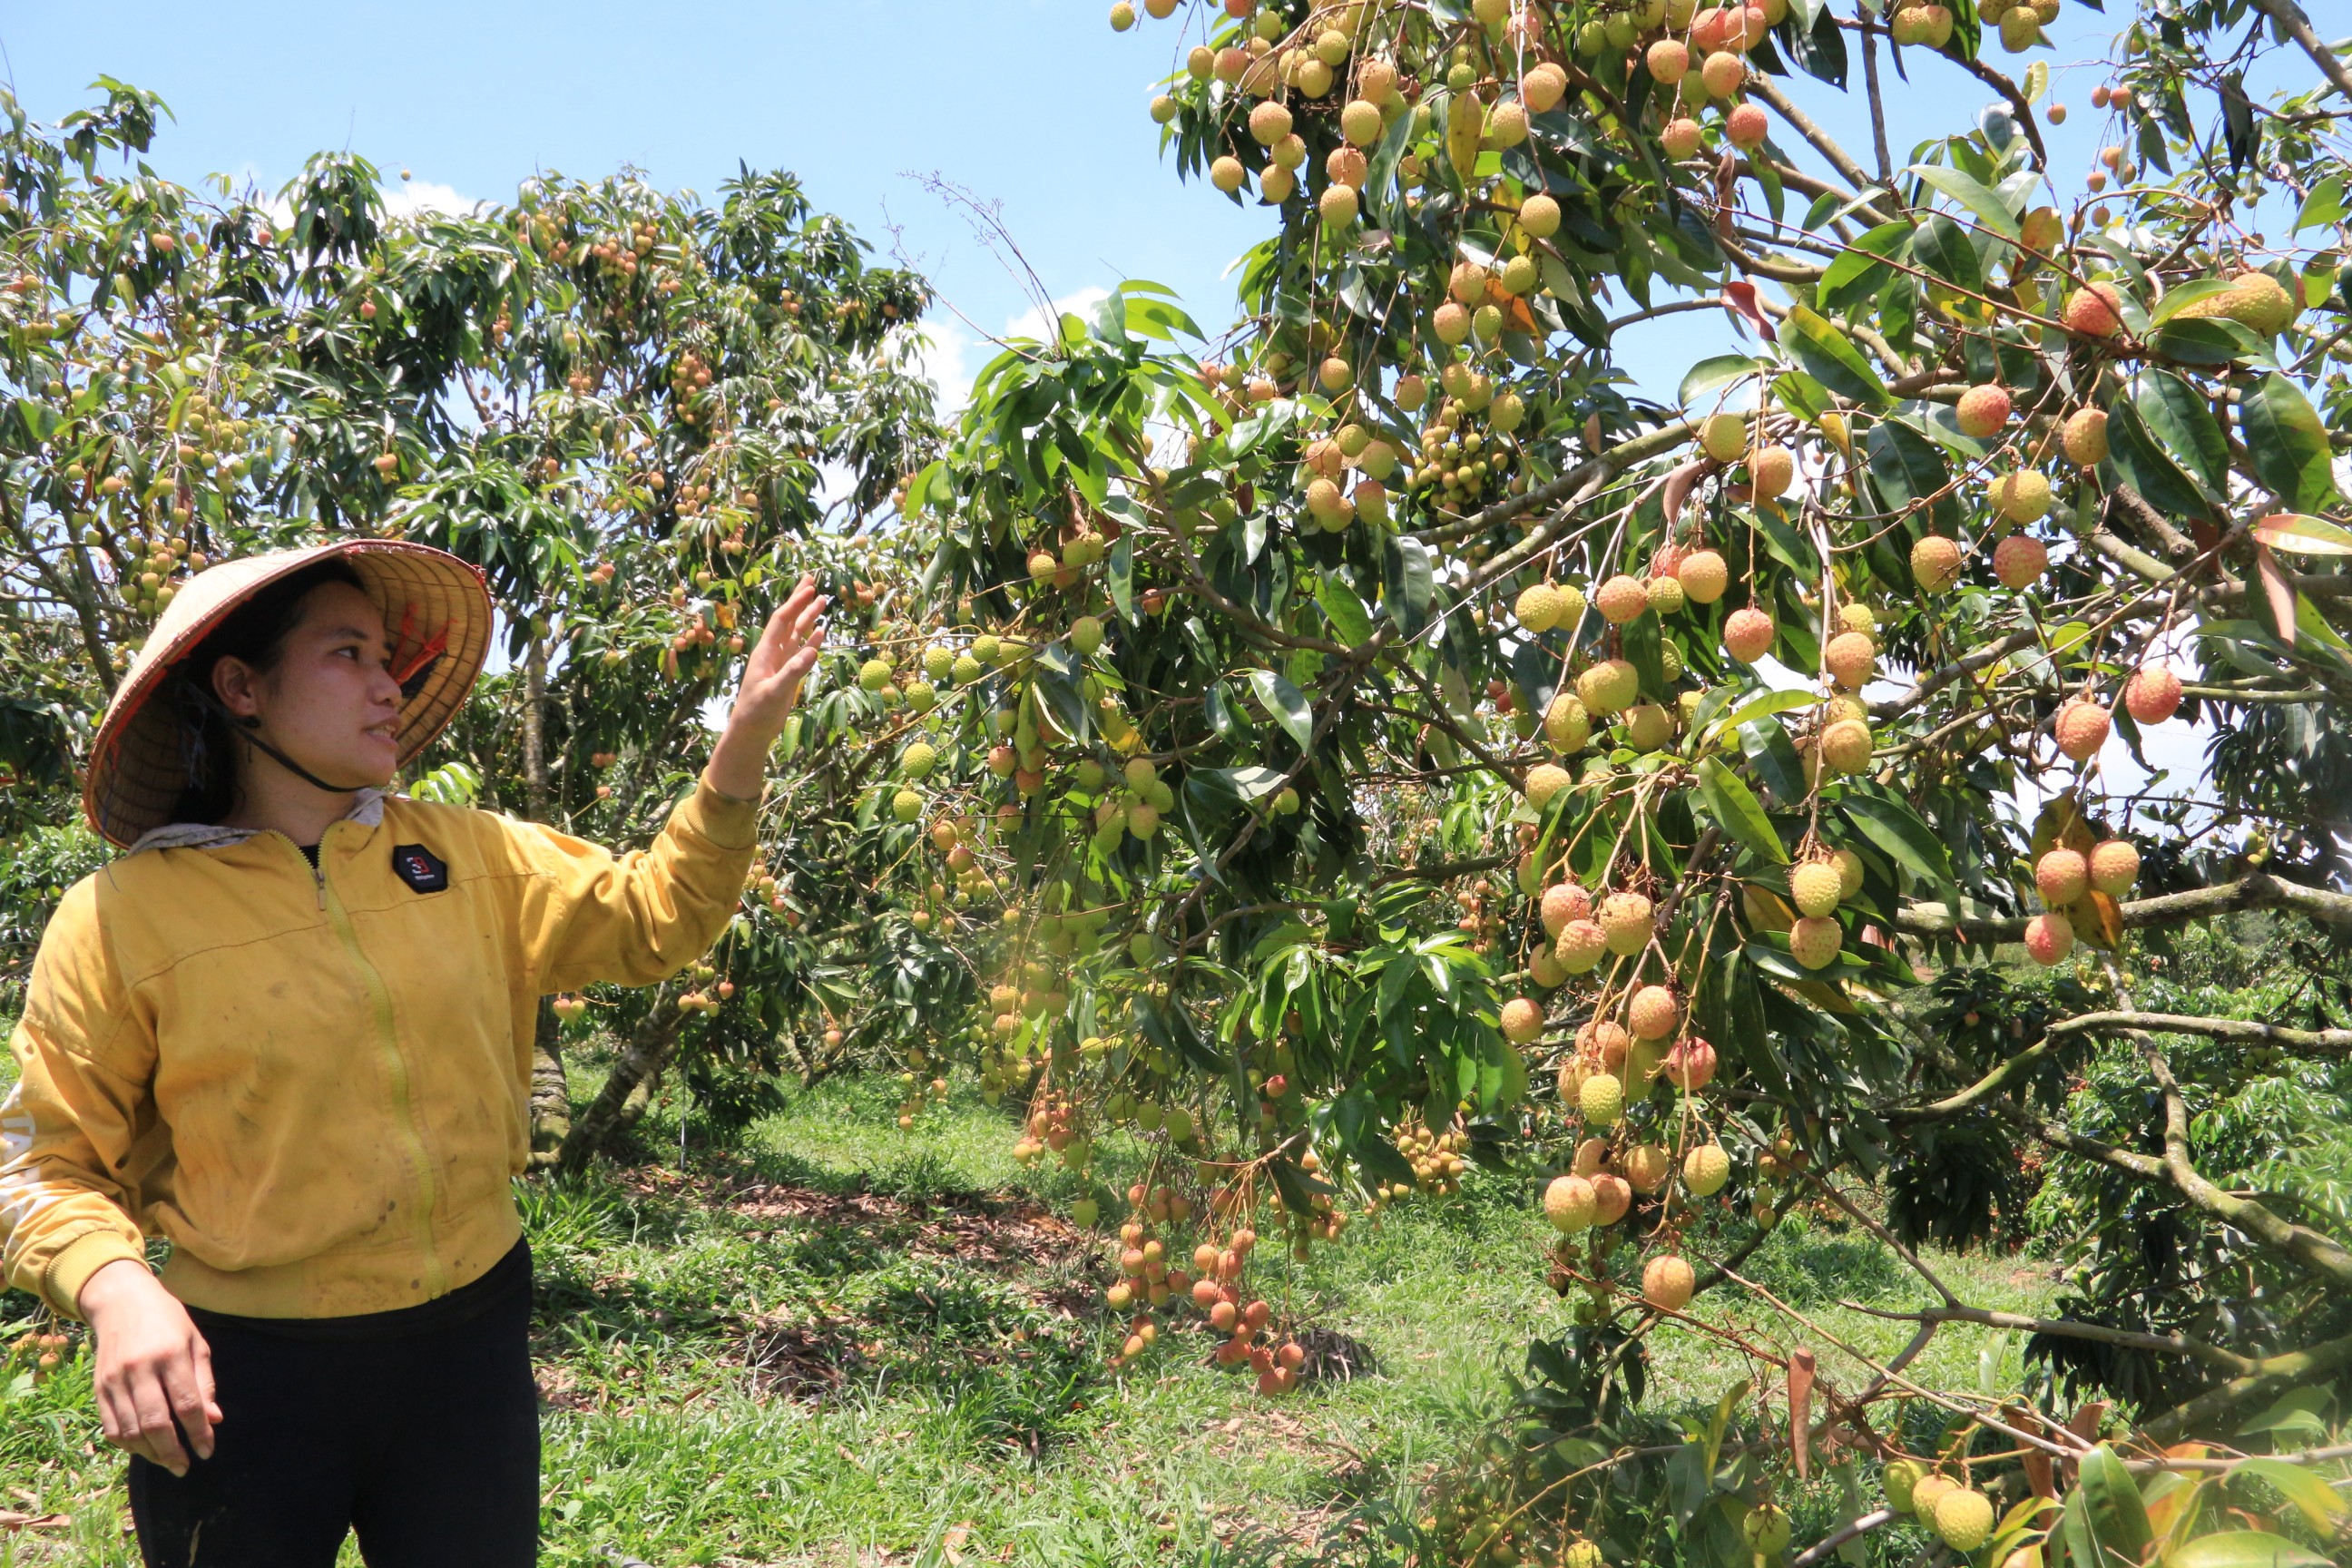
(417, 1428)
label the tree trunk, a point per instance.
(651, 1045)
(551, 1090)
(551, 1093)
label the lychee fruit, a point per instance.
(1648, 727)
(1622, 599)
(1817, 888)
(2094, 311)
(1935, 562)
(1609, 687)
(1669, 61)
(1269, 122)
(1538, 607)
(1681, 138)
(1360, 122)
(1540, 217)
(1723, 72)
(1647, 1167)
(1667, 1282)
(2152, 695)
(1747, 634)
(1964, 1515)
(1983, 410)
(1523, 1020)
(1567, 1204)
(1850, 658)
(1815, 941)
(1772, 471)
(2080, 728)
(1690, 1066)
(1581, 944)
(1563, 902)
(1606, 1040)
(1652, 1012)
(1846, 746)
(1706, 1169)
(1546, 780)
(1746, 126)
(1612, 1196)
(1665, 594)
(1704, 576)
(1602, 1100)
(1724, 437)
(1626, 918)
(2048, 937)
(2085, 438)
(2061, 876)
(1566, 723)
(2114, 867)
(2020, 560)
(2020, 497)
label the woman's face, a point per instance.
(330, 702)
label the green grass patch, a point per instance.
(838, 1342)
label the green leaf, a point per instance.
(2286, 442)
(2176, 299)
(1897, 828)
(1771, 702)
(1943, 247)
(1857, 271)
(1351, 623)
(2134, 453)
(1973, 195)
(1407, 584)
(1120, 577)
(1287, 704)
(2323, 205)
(2242, 1549)
(1904, 464)
(2207, 341)
(1829, 357)
(2185, 423)
(2320, 1505)
(1712, 375)
(2106, 1525)
(2304, 535)
(1735, 810)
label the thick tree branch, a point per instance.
(2296, 26)
(2259, 892)
(2233, 1031)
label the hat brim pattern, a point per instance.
(435, 606)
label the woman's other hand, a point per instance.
(152, 1365)
(772, 675)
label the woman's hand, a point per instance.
(152, 1365)
(786, 652)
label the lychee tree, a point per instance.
(1374, 740)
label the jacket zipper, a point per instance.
(395, 1065)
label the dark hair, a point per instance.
(255, 632)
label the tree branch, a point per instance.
(2296, 26)
(2259, 892)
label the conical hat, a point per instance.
(437, 611)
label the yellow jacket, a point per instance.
(317, 1084)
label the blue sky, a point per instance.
(1036, 104)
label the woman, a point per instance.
(291, 1031)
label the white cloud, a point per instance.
(1032, 323)
(943, 358)
(950, 354)
(411, 196)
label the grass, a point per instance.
(843, 1343)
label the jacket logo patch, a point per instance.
(421, 869)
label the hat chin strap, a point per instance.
(246, 726)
